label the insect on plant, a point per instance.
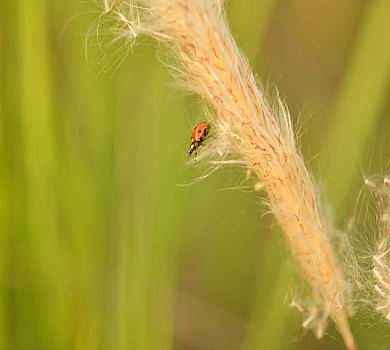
(198, 136)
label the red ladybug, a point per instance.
(198, 136)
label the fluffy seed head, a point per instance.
(211, 65)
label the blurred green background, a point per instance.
(100, 249)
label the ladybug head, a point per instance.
(193, 148)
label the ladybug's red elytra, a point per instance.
(198, 136)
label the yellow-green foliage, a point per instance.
(99, 249)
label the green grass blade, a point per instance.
(48, 312)
(359, 102)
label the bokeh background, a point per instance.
(100, 249)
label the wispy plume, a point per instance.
(252, 128)
(367, 249)
(381, 257)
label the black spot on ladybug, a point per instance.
(199, 131)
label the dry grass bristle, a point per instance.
(381, 260)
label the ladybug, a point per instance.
(198, 136)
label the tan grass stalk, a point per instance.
(212, 66)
